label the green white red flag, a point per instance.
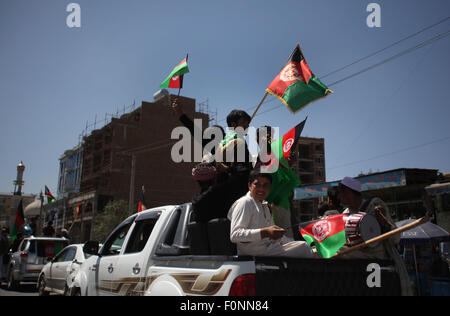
(327, 234)
(175, 79)
(296, 86)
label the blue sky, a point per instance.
(53, 79)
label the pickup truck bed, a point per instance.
(164, 252)
(300, 277)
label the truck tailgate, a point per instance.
(314, 277)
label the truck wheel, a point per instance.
(75, 291)
(41, 286)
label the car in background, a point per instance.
(58, 274)
(33, 253)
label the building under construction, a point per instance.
(130, 152)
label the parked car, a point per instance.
(162, 251)
(33, 253)
(58, 274)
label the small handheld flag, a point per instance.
(284, 180)
(175, 79)
(328, 234)
(296, 86)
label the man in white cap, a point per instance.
(350, 196)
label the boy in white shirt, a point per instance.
(253, 229)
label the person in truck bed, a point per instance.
(253, 229)
(350, 195)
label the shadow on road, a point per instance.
(24, 288)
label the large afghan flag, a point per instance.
(18, 222)
(175, 79)
(49, 195)
(284, 180)
(328, 234)
(296, 86)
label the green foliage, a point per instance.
(114, 213)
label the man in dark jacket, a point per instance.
(4, 248)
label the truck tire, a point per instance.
(75, 291)
(41, 286)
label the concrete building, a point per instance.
(70, 167)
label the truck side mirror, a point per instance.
(91, 247)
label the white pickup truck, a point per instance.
(161, 251)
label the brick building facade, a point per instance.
(130, 152)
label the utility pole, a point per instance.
(132, 182)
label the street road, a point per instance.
(26, 289)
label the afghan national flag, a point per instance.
(141, 205)
(49, 195)
(18, 222)
(328, 234)
(284, 180)
(296, 85)
(175, 79)
(77, 210)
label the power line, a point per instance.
(391, 153)
(409, 50)
(385, 48)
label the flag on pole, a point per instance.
(141, 205)
(284, 180)
(77, 210)
(19, 221)
(285, 145)
(175, 79)
(296, 86)
(328, 234)
(49, 195)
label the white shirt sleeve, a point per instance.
(240, 216)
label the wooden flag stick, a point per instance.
(260, 103)
(385, 236)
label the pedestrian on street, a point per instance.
(48, 230)
(4, 248)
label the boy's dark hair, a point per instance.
(256, 173)
(323, 207)
(236, 115)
